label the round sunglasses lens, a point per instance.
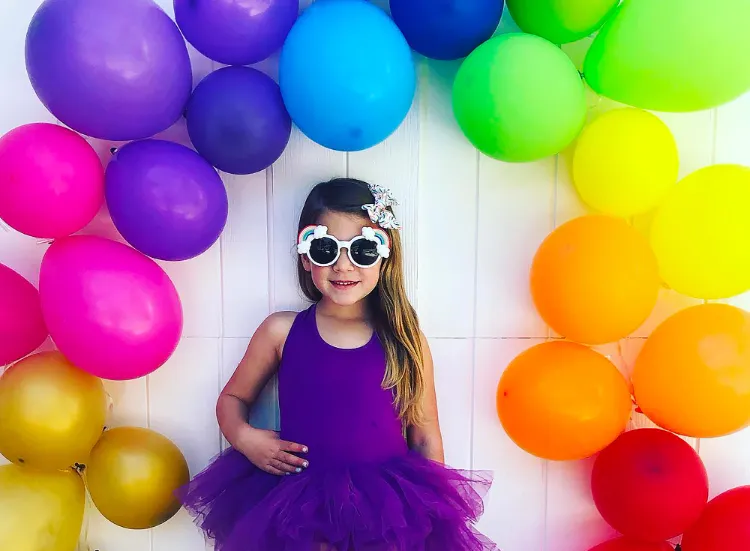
(324, 250)
(365, 252)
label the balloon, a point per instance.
(111, 310)
(560, 22)
(237, 120)
(236, 32)
(562, 401)
(109, 69)
(347, 86)
(133, 475)
(519, 98)
(51, 180)
(447, 30)
(672, 55)
(699, 233)
(594, 279)
(625, 544)
(165, 199)
(625, 162)
(649, 485)
(723, 525)
(22, 327)
(692, 376)
(40, 510)
(51, 412)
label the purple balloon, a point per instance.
(237, 120)
(165, 199)
(236, 32)
(111, 69)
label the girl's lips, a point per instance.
(344, 284)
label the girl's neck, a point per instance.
(358, 311)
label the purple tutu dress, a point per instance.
(364, 490)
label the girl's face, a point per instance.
(343, 283)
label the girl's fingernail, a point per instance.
(304, 449)
(287, 474)
(298, 470)
(305, 464)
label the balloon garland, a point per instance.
(516, 97)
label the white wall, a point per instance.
(471, 226)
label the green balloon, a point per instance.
(672, 55)
(559, 21)
(519, 98)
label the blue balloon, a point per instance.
(347, 74)
(449, 29)
(237, 121)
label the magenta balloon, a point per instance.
(51, 180)
(111, 69)
(22, 328)
(111, 310)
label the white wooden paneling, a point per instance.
(454, 362)
(448, 170)
(514, 516)
(516, 209)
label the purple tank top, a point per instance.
(331, 399)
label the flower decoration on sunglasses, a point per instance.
(378, 211)
(363, 250)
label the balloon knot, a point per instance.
(112, 150)
(678, 548)
(79, 468)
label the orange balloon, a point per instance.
(562, 401)
(595, 279)
(693, 375)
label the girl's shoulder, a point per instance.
(277, 326)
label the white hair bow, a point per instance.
(378, 211)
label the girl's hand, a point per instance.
(269, 453)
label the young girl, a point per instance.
(357, 465)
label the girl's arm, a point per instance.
(426, 438)
(259, 363)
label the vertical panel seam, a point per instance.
(477, 188)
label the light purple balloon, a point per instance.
(236, 32)
(110, 69)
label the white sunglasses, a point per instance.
(363, 251)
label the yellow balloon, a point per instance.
(700, 233)
(40, 510)
(625, 162)
(132, 476)
(51, 412)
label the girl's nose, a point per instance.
(343, 264)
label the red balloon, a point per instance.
(625, 544)
(724, 524)
(649, 485)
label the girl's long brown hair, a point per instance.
(394, 317)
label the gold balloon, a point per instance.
(51, 412)
(132, 476)
(40, 510)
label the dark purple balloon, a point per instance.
(237, 120)
(111, 69)
(236, 32)
(165, 200)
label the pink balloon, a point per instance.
(111, 310)
(22, 328)
(51, 180)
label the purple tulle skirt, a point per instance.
(407, 503)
